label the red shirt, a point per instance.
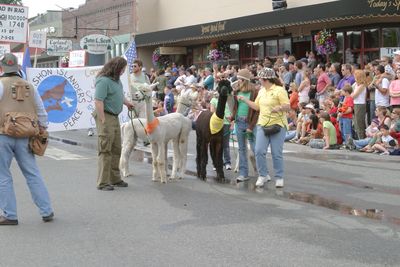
(323, 80)
(347, 103)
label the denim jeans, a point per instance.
(362, 142)
(345, 128)
(262, 143)
(372, 108)
(241, 127)
(226, 150)
(11, 147)
(290, 135)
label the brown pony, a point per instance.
(205, 136)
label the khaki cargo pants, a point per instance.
(109, 150)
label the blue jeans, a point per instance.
(262, 143)
(362, 142)
(345, 128)
(241, 127)
(290, 135)
(226, 150)
(18, 147)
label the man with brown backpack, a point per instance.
(22, 117)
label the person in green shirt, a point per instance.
(109, 100)
(329, 131)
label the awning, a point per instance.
(320, 13)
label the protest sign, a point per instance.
(68, 95)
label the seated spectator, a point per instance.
(305, 111)
(292, 124)
(386, 143)
(294, 96)
(329, 140)
(312, 130)
(395, 124)
(371, 130)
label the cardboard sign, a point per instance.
(77, 58)
(13, 23)
(4, 48)
(37, 39)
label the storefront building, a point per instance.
(362, 27)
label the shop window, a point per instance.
(271, 48)
(354, 40)
(234, 54)
(391, 37)
(252, 51)
(371, 38)
(285, 44)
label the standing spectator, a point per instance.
(381, 88)
(348, 77)
(304, 87)
(322, 84)
(168, 100)
(109, 99)
(389, 73)
(286, 56)
(299, 72)
(245, 120)
(162, 83)
(11, 147)
(334, 74)
(396, 60)
(272, 101)
(394, 91)
(208, 82)
(360, 103)
(346, 113)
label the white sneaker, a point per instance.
(241, 178)
(90, 132)
(228, 167)
(279, 183)
(214, 169)
(262, 180)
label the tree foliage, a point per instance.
(11, 2)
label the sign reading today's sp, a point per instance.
(96, 43)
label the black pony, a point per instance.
(205, 135)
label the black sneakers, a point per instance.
(48, 218)
(121, 184)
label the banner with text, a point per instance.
(68, 95)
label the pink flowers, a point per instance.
(215, 55)
(325, 42)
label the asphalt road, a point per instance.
(192, 223)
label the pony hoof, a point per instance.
(156, 179)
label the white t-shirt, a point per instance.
(362, 97)
(380, 99)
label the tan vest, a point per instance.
(18, 96)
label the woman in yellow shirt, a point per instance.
(272, 102)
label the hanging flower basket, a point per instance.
(65, 61)
(219, 51)
(161, 61)
(325, 42)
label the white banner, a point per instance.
(68, 95)
(37, 39)
(4, 48)
(13, 23)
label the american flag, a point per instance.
(131, 55)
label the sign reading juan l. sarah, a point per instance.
(96, 43)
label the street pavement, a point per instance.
(183, 223)
(337, 208)
(351, 182)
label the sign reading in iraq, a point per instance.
(96, 43)
(13, 23)
(58, 47)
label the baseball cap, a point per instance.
(9, 63)
(310, 106)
